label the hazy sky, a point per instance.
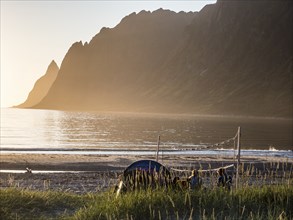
(33, 33)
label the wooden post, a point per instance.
(162, 155)
(158, 147)
(235, 148)
(238, 156)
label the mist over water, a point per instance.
(26, 129)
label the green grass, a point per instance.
(254, 203)
(28, 204)
(263, 194)
(267, 202)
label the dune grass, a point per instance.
(270, 202)
(267, 202)
(262, 195)
(30, 204)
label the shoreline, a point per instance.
(95, 173)
(92, 163)
(158, 114)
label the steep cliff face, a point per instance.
(107, 73)
(41, 87)
(233, 57)
(237, 60)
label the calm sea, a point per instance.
(39, 131)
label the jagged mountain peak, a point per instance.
(53, 66)
(232, 57)
(41, 87)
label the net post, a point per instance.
(158, 148)
(238, 156)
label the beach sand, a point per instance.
(93, 173)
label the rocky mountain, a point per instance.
(41, 86)
(237, 59)
(118, 64)
(232, 57)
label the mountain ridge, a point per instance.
(224, 60)
(115, 46)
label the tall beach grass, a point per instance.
(264, 193)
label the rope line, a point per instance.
(215, 145)
(208, 170)
(226, 141)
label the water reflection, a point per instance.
(25, 128)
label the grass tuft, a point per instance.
(268, 202)
(29, 204)
(263, 194)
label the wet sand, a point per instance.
(94, 173)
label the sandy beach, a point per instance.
(93, 173)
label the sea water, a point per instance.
(60, 132)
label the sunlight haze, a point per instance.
(33, 33)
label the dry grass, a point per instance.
(266, 192)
